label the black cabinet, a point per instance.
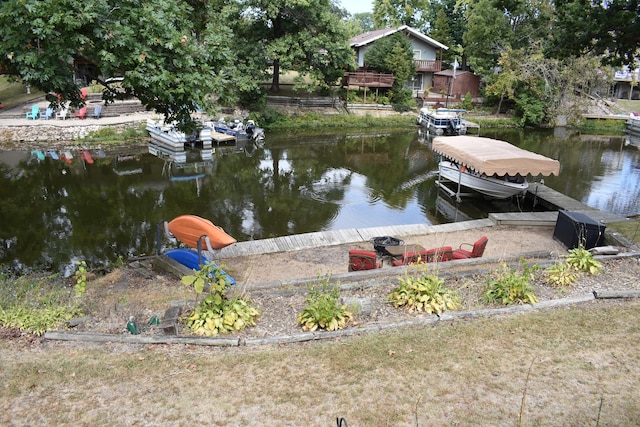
(574, 229)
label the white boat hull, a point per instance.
(168, 137)
(490, 186)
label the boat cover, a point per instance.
(492, 156)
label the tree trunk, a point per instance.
(275, 82)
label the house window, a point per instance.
(417, 54)
(415, 83)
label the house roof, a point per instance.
(371, 36)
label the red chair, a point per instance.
(81, 113)
(476, 251)
(443, 253)
(363, 260)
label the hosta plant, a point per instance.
(216, 313)
(322, 309)
(510, 286)
(582, 260)
(560, 274)
(424, 293)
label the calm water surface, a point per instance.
(54, 213)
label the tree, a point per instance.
(173, 55)
(609, 28)
(307, 36)
(442, 33)
(393, 13)
(450, 30)
(394, 55)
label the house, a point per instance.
(457, 84)
(626, 84)
(426, 52)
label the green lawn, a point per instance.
(15, 93)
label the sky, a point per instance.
(357, 6)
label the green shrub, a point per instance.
(424, 293)
(323, 310)
(582, 260)
(508, 286)
(560, 274)
(81, 278)
(215, 313)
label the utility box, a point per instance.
(574, 230)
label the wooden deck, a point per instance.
(541, 194)
(554, 200)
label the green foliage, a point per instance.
(322, 309)
(509, 286)
(582, 260)
(81, 278)
(560, 274)
(35, 304)
(216, 313)
(531, 109)
(424, 293)
(467, 102)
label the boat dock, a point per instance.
(540, 193)
(220, 137)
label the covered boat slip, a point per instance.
(482, 159)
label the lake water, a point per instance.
(54, 213)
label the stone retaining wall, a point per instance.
(50, 133)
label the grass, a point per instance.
(629, 229)
(15, 93)
(465, 373)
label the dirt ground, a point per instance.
(504, 241)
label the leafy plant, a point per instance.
(582, 260)
(215, 313)
(35, 304)
(424, 293)
(508, 286)
(81, 278)
(322, 309)
(560, 274)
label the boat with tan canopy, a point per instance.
(492, 167)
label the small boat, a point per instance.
(499, 187)
(190, 259)
(190, 230)
(238, 129)
(489, 166)
(169, 136)
(442, 121)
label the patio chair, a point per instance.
(440, 254)
(34, 113)
(48, 113)
(81, 113)
(62, 114)
(97, 111)
(363, 260)
(477, 249)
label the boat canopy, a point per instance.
(492, 156)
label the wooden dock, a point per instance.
(554, 200)
(541, 194)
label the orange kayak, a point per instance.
(191, 228)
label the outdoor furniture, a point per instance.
(440, 254)
(48, 113)
(401, 250)
(62, 114)
(477, 249)
(34, 113)
(363, 260)
(81, 113)
(97, 111)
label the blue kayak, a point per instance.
(189, 258)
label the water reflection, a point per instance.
(54, 212)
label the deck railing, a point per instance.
(434, 65)
(367, 79)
